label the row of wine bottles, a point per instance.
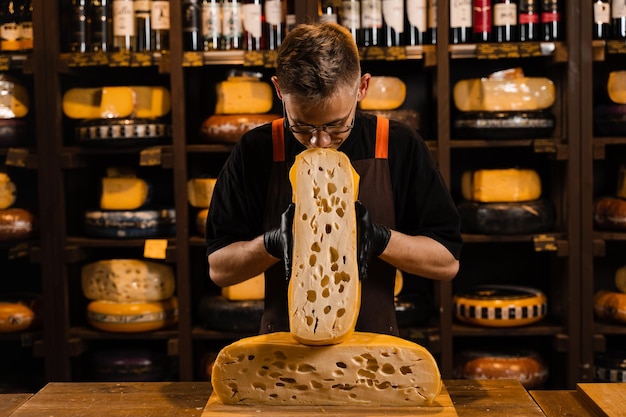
(16, 26)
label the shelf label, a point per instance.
(192, 59)
(17, 157)
(155, 248)
(545, 243)
(150, 156)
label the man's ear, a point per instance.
(275, 82)
(364, 84)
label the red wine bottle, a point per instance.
(529, 20)
(551, 20)
(252, 13)
(601, 19)
(461, 21)
(416, 14)
(101, 26)
(143, 36)
(505, 24)
(80, 25)
(393, 22)
(371, 23)
(482, 21)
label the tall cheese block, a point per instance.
(324, 294)
(366, 369)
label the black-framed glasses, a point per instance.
(304, 129)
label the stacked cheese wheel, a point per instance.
(129, 295)
(504, 202)
(610, 366)
(609, 212)
(119, 115)
(14, 108)
(125, 210)
(19, 312)
(610, 119)
(15, 223)
(500, 305)
(130, 364)
(323, 361)
(243, 103)
(504, 105)
(199, 194)
(385, 97)
(610, 305)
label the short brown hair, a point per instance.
(315, 60)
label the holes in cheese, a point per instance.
(243, 95)
(384, 93)
(324, 290)
(127, 280)
(366, 369)
(8, 191)
(501, 185)
(116, 101)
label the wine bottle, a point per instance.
(551, 20)
(252, 12)
(232, 25)
(123, 25)
(416, 15)
(101, 26)
(211, 24)
(26, 13)
(160, 20)
(461, 21)
(79, 27)
(529, 20)
(432, 22)
(192, 29)
(290, 18)
(601, 19)
(328, 12)
(274, 26)
(505, 20)
(393, 22)
(618, 19)
(351, 18)
(143, 36)
(482, 21)
(371, 23)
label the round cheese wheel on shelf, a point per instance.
(506, 218)
(525, 365)
(610, 306)
(16, 224)
(132, 224)
(504, 125)
(243, 316)
(132, 317)
(610, 213)
(130, 365)
(228, 128)
(384, 93)
(500, 305)
(19, 312)
(610, 366)
(13, 132)
(122, 132)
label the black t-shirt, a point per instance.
(422, 202)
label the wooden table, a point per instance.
(171, 399)
(593, 399)
(11, 402)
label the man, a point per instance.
(405, 208)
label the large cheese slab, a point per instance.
(367, 369)
(243, 95)
(251, 289)
(501, 185)
(519, 93)
(324, 289)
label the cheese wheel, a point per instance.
(610, 366)
(324, 294)
(16, 224)
(15, 132)
(241, 95)
(504, 125)
(521, 93)
(525, 365)
(122, 132)
(137, 317)
(620, 279)
(16, 316)
(501, 185)
(366, 369)
(134, 224)
(14, 101)
(123, 193)
(127, 280)
(200, 191)
(114, 102)
(250, 289)
(238, 316)
(610, 306)
(616, 86)
(610, 213)
(228, 128)
(384, 93)
(500, 306)
(201, 221)
(8, 191)
(130, 365)
(506, 218)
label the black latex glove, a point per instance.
(279, 241)
(372, 239)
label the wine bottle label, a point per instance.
(274, 12)
(505, 14)
(601, 13)
(231, 20)
(618, 9)
(393, 13)
(371, 14)
(211, 20)
(252, 19)
(416, 13)
(432, 14)
(351, 14)
(482, 16)
(461, 13)
(123, 18)
(160, 15)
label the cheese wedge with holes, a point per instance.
(384, 93)
(324, 294)
(367, 369)
(243, 95)
(251, 289)
(127, 280)
(501, 185)
(487, 94)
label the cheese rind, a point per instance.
(384, 93)
(324, 294)
(486, 94)
(251, 289)
(127, 280)
(132, 317)
(15, 317)
(200, 191)
(243, 96)
(501, 185)
(367, 369)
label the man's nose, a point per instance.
(320, 139)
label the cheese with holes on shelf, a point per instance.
(501, 185)
(111, 316)
(8, 191)
(250, 289)
(123, 193)
(127, 280)
(366, 369)
(200, 191)
(243, 95)
(324, 294)
(384, 93)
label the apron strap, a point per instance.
(382, 137)
(278, 140)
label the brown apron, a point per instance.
(377, 301)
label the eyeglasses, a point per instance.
(332, 130)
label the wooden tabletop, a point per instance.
(11, 402)
(592, 399)
(171, 399)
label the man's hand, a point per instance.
(372, 239)
(279, 241)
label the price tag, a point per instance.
(545, 243)
(150, 156)
(5, 62)
(17, 157)
(155, 248)
(141, 59)
(254, 59)
(119, 59)
(192, 59)
(270, 59)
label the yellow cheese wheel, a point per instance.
(200, 191)
(251, 289)
(501, 185)
(132, 317)
(243, 95)
(517, 94)
(384, 93)
(500, 305)
(324, 295)
(8, 191)
(123, 193)
(616, 86)
(116, 102)
(610, 306)
(366, 369)
(15, 316)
